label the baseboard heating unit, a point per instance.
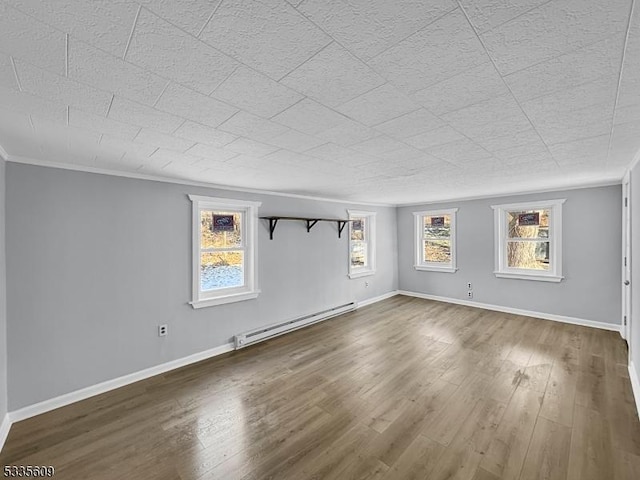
(264, 333)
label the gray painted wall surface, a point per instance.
(3, 298)
(634, 341)
(592, 240)
(96, 262)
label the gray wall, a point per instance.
(634, 340)
(3, 298)
(96, 262)
(591, 257)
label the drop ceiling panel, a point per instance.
(310, 117)
(410, 124)
(269, 36)
(102, 125)
(203, 134)
(162, 140)
(488, 14)
(296, 141)
(251, 126)
(378, 105)
(189, 15)
(126, 111)
(211, 152)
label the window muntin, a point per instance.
(224, 250)
(529, 241)
(361, 243)
(435, 240)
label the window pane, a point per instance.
(358, 227)
(221, 270)
(528, 224)
(437, 226)
(531, 255)
(438, 251)
(358, 254)
(226, 233)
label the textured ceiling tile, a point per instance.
(378, 145)
(106, 72)
(105, 24)
(250, 147)
(268, 36)
(348, 133)
(162, 140)
(407, 154)
(367, 27)
(210, 152)
(333, 76)
(163, 155)
(379, 105)
(494, 117)
(340, 155)
(443, 49)
(575, 68)
(251, 126)
(411, 124)
(7, 76)
(461, 152)
(53, 87)
(509, 140)
(488, 14)
(127, 111)
(256, 93)
(31, 105)
(585, 150)
(30, 40)
(189, 15)
(471, 86)
(553, 29)
(160, 47)
(204, 134)
(310, 117)
(186, 103)
(435, 137)
(16, 134)
(100, 124)
(627, 114)
(296, 141)
(120, 147)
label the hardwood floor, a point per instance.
(403, 389)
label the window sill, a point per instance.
(425, 268)
(524, 276)
(364, 273)
(238, 297)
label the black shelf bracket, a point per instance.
(341, 225)
(272, 226)
(310, 224)
(273, 221)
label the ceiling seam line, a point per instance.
(133, 29)
(15, 73)
(208, 19)
(615, 104)
(506, 84)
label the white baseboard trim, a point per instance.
(515, 311)
(635, 385)
(84, 393)
(4, 430)
(379, 298)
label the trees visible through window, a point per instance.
(361, 243)
(435, 240)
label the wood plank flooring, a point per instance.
(403, 389)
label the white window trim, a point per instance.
(555, 242)
(359, 272)
(418, 264)
(229, 295)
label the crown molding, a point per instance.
(177, 181)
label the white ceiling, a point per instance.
(393, 101)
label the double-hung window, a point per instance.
(362, 243)
(528, 240)
(224, 250)
(435, 240)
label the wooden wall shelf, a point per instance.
(310, 221)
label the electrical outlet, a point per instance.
(469, 287)
(366, 284)
(162, 330)
(470, 294)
